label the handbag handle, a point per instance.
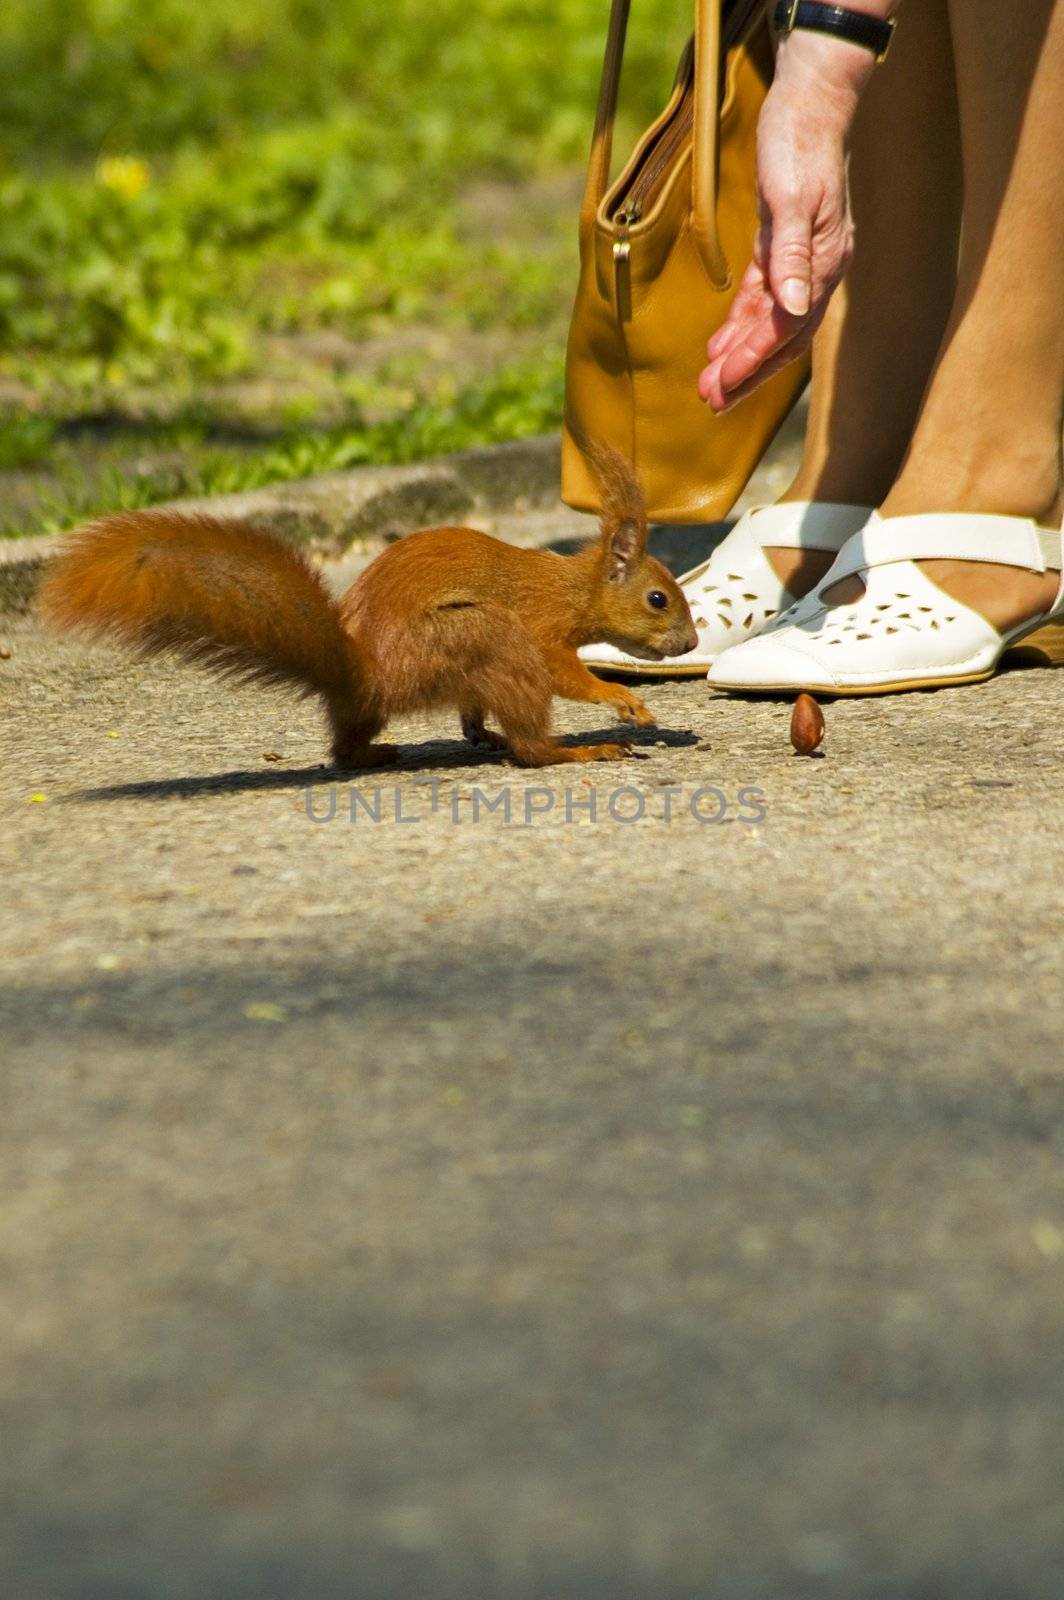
(598, 170)
(705, 135)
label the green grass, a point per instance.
(184, 187)
(512, 404)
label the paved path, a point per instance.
(582, 1210)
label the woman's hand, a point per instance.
(806, 235)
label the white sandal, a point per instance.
(904, 632)
(735, 593)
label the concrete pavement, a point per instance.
(539, 1207)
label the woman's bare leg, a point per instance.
(876, 348)
(989, 433)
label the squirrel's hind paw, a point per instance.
(549, 754)
(482, 738)
(601, 752)
(363, 758)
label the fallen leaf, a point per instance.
(265, 1011)
(1048, 1239)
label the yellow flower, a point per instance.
(127, 176)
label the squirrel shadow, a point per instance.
(451, 755)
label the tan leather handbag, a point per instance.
(662, 251)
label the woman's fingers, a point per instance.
(790, 255)
(731, 394)
(759, 327)
(755, 330)
(760, 350)
(750, 293)
(748, 358)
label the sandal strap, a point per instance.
(1005, 541)
(792, 524)
(805, 524)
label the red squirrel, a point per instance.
(446, 617)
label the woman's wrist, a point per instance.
(831, 71)
(833, 68)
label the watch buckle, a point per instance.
(891, 22)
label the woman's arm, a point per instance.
(806, 236)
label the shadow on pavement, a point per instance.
(439, 756)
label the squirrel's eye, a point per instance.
(659, 601)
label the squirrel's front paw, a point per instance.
(631, 709)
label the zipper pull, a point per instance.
(630, 212)
(622, 279)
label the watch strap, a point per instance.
(855, 27)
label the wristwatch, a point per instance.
(856, 27)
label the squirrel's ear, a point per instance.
(624, 518)
(625, 544)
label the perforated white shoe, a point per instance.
(736, 593)
(904, 632)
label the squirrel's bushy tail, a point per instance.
(222, 595)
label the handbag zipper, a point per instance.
(631, 211)
(632, 204)
(736, 17)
